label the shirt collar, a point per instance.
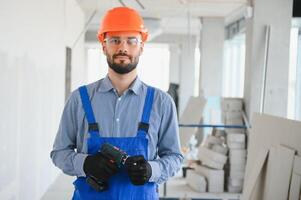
(136, 86)
(106, 85)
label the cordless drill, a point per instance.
(114, 155)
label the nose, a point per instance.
(123, 46)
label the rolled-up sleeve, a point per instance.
(169, 151)
(63, 154)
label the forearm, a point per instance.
(165, 167)
(69, 161)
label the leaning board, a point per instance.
(268, 131)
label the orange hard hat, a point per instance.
(122, 19)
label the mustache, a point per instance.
(122, 54)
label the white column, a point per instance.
(174, 63)
(211, 49)
(187, 70)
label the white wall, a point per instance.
(277, 14)
(32, 63)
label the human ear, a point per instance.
(141, 48)
(104, 49)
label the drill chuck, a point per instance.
(114, 154)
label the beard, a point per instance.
(122, 68)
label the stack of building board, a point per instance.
(214, 177)
(237, 166)
(232, 109)
(196, 181)
(206, 179)
(212, 154)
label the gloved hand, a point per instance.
(99, 167)
(139, 170)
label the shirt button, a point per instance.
(117, 119)
(119, 99)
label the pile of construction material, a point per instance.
(209, 175)
(232, 109)
(222, 154)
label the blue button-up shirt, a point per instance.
(118, 116)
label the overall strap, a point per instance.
(93, 126)
(144, 123)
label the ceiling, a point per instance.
(167, 16)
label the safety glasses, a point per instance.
(116, 41)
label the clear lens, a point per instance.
(132, 41)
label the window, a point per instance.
(197, 61)
(234, 67)
(294, 80)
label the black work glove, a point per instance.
(99, 167)
(139, 170)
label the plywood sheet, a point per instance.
(296, 180)
(279, 170)
(191, 115)
(254, 173)
(268, 131)
(295, 187)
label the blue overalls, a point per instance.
(120, 187)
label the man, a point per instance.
(124, 112)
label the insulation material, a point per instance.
(231, 104)
(267, 131)
(234, 121)
(235, 130)
(237, 160)
(236, 140)
(211, 163)
(215, 178)
(219, 149)
(234, 185)
(235, 137)
(238, 167)
(211, 158)
(235, 173)
(234, 189)
(196, 181)
(236, 182)
(211, 140)
(219, 133)
(231, 115)
(237, 156)
(191, 115)
(236, 145)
